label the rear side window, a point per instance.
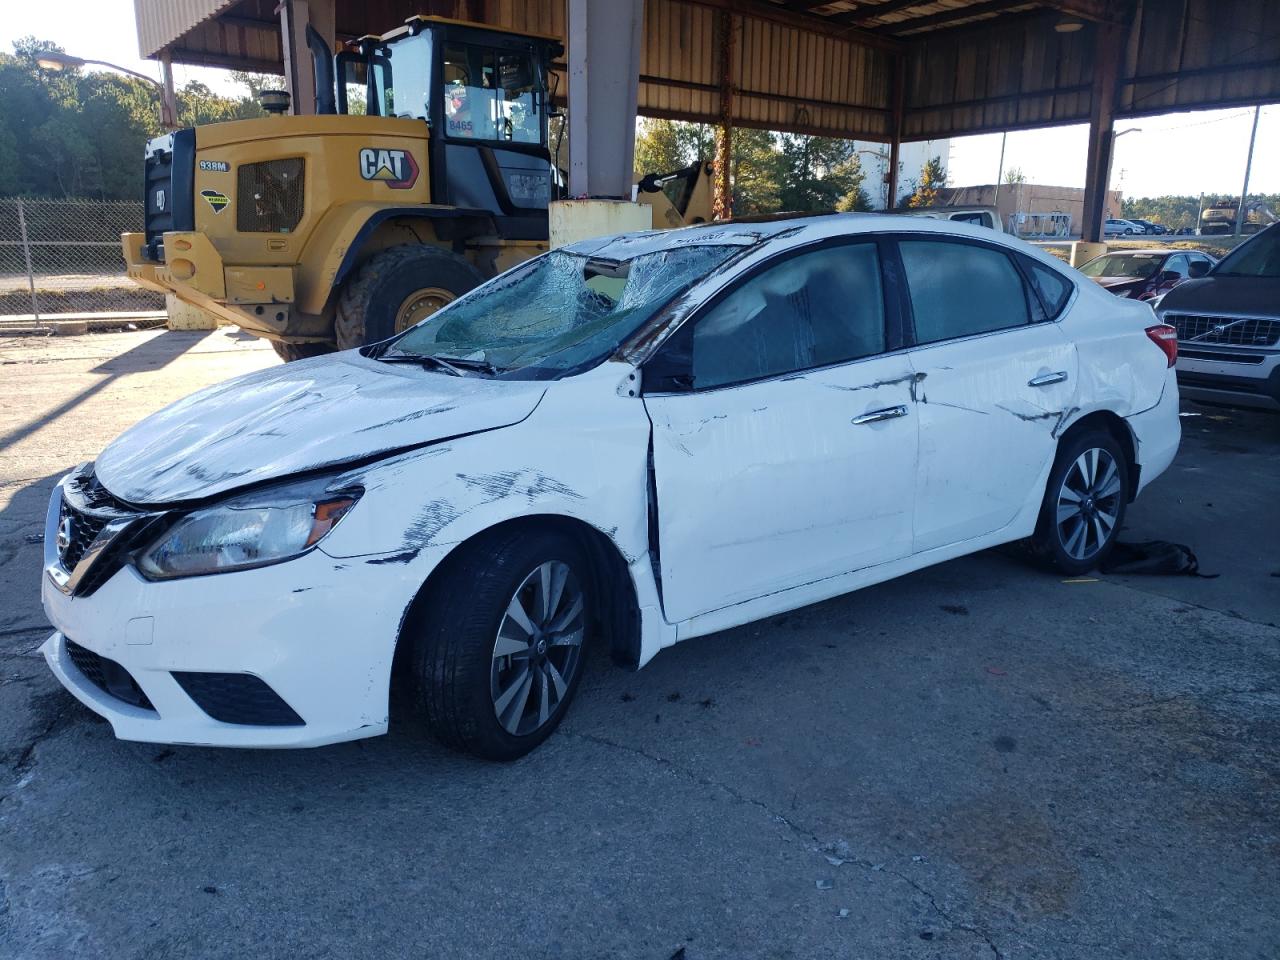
(807, 311)
(1053, 289)
(962, 289)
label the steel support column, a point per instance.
(722, 200)
(898, 93)
(295, 16)
(604, 80)
(1108, 45)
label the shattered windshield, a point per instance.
(557, 312)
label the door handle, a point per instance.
(875, 416)
(1046, 379)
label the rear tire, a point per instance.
(492, 667)
(288, 352)
(1084, 503)
(396, 288)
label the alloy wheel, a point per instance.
(538, 649)
(1089, 503)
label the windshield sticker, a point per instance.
(219, 201)
(396, 168)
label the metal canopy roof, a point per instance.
(839, 67)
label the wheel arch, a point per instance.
(610, 573)
(1114, 424)
(393, 226)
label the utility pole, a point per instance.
(1248, 166)
(1000, 172)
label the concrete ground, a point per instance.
(980, 760)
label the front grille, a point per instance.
(269, 196)
(87, 508)
(1230, 331)
(84, 530)
(238, 698)
(108, 676)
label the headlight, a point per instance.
(268, 526)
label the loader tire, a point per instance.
(397, 288)
(288, 352)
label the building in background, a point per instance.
(1030, 209)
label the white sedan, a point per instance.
(622, 444)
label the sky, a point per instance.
(1183, 153)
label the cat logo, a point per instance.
(396, 168)
(219, 201)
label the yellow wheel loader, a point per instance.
(426, 169)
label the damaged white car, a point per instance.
(621, 444)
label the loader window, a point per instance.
(403, 84)
(490, 94)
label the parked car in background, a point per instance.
(1228, 326)
(1148, 227)
(988, 217)
(1114, 227)
(623, 443)
(1145, 274)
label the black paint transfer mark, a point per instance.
(415, 415)
(299, 589)
(1032, 417)
(914, 378)
(1005, 744)
(959, 609)
(394, 558)
(529, 483)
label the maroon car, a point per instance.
(1144, 274)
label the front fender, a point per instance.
(583, 453)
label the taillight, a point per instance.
(1166, 338)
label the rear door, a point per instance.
(995, 378)
(784, 435)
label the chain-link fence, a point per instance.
(60, 259)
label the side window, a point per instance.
(960, 289)
(1177, 265)
(1053, 289)
(808, 311)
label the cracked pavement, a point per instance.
(976, 761)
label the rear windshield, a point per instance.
(1259, 257)
(1136, 265)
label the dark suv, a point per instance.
(1228, 326)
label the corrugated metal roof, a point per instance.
(970, 65)
(161, 22)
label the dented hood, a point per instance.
(301, 416)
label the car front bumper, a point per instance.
(318, 631)
(1240, 377)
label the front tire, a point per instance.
(395, 289)
(497, 649)
(1084, 503)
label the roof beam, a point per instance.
(950, 16)
(1094, 10)
(867, 12)
(824, 26)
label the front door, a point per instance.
(784, 434)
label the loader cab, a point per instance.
(484, 96)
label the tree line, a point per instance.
(70, 133)
(1175, 212)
